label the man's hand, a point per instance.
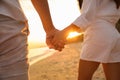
(49, 41)
(59, 40)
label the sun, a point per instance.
(62, 15)
(73, 34)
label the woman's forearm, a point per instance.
(71, 28)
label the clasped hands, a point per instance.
(56, 39)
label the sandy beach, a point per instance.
(61, 65)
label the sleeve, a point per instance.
(88, 14)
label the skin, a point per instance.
(42, 9)
(56, 39)
(61, 36)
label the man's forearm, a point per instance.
(42, 8)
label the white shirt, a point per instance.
(12, 8)
(101, 38)
(93, 10)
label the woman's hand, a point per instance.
(59, 40)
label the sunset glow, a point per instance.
(73, 34)
(63, 13)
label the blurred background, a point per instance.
(47, 64)
(63, 12)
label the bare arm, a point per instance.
(62, 35)
(42, 8)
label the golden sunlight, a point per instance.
(63, 13)
(73, 34)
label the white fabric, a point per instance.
(12, 9)
(93, 10)
(13, 40)
(13, 49)
(101, 39)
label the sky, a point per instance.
(63, 13)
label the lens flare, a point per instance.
(73, 34)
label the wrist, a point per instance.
(70, 28)
(49, 28)
(51, 32)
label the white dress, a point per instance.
(101, 39)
